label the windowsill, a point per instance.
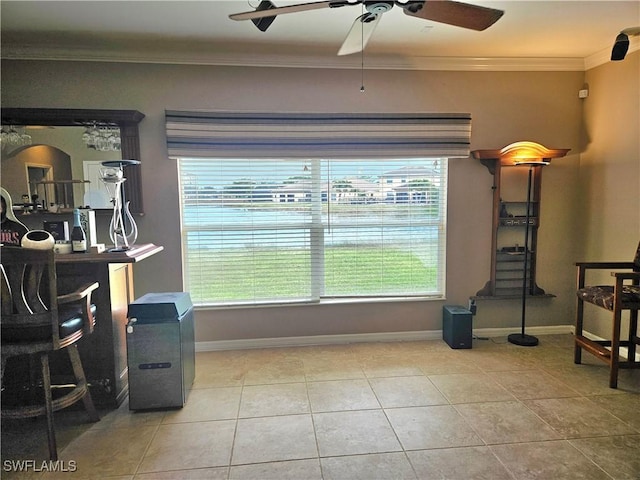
(324, 302)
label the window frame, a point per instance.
(319, 295)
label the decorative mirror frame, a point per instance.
(127, 120)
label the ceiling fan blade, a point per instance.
(455, 13)
(303, 7)
(359, 34)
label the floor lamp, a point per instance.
(522, 338)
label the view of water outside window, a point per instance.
(263, 230)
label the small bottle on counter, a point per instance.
(78, 236)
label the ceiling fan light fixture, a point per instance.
(452, 12)
(378, 7)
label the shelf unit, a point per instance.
(509, 217)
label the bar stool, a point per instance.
(36, 322)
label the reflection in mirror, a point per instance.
(58, 170)
(61, 166)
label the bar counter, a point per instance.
(104, 353)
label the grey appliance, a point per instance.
(160, 350)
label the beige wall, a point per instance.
(505, 107)
(610, 171)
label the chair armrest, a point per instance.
(604, 265)
(584, 266)
(79, 294)
(626, 275)
(83, 294)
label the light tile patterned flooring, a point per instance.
(406, 410)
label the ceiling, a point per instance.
(571, 34)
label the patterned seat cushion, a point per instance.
(602, 295)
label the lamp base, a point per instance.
(523, 340)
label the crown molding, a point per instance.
(311, 60)
(604, 56)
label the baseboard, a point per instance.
(503, 332)
(250, 343)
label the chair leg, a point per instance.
(633, 332)
(35, 364)
(615, 348)
(48, 401)
(78, 371)
(4, 364)
(577, 352)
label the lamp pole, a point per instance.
(522, 338)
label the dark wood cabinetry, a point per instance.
(517, 185)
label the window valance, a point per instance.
(320, 135)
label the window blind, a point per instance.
(301, 230)
(303, 135)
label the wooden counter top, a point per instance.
(135, 254)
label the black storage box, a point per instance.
(160, 350)
(456, 326)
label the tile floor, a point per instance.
(406, 410)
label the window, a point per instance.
(270, 230)
(284, 207)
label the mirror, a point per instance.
(58, 162)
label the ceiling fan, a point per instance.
(451, 12)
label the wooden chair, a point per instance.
(624, 295)
(35, 322)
